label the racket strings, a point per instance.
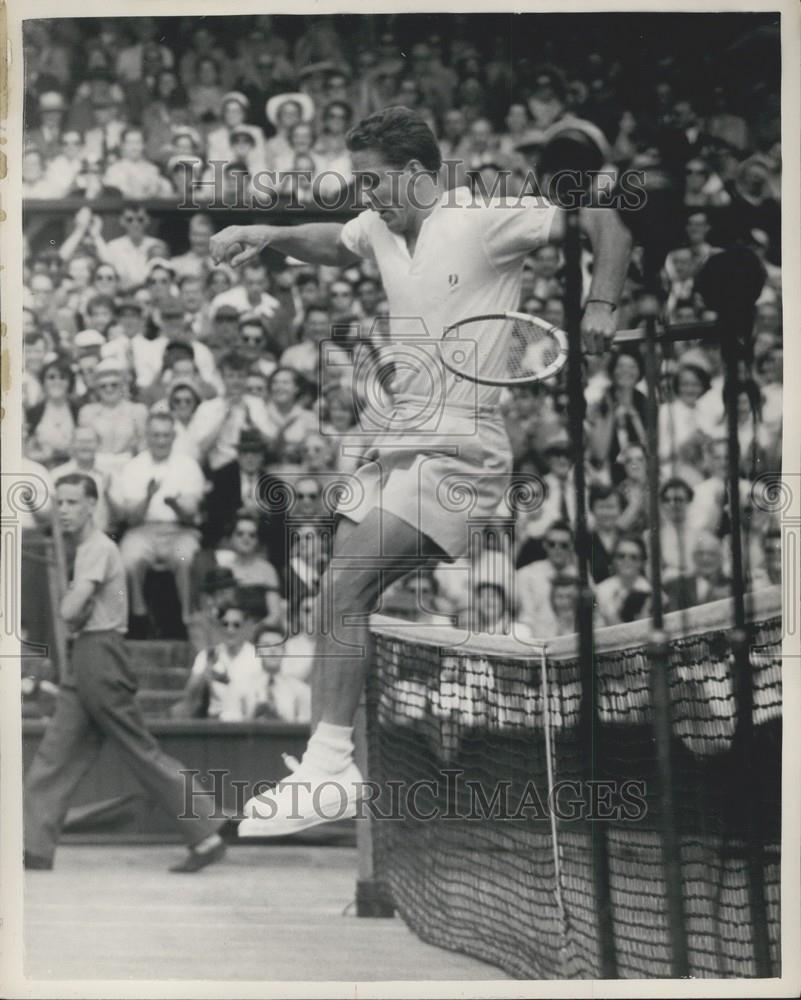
(503, 350)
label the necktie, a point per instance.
(270, 697)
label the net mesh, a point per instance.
(502, 349)
(446, 710)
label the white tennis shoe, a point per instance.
(305, 798)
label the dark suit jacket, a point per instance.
(682, 592)
(222, 502)
(600, 559)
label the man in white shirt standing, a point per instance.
(132, 174)
(158, 495)
(128, 254)
(442, 256)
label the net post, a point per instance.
(372, 896)
(589, 725)
(736, 322)
(658, 655)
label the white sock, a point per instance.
(208, 843)
(330, 748)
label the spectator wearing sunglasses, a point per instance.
(533, 581)
(183, 398)
(254, 345)
(558, 504)
(51, 423)
(128, 254)
(244, 556)
(227, 679)
(628, 577)
(677, 533)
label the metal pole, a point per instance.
(734, 328)
(658, 653)
(589, 729)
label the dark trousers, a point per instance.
(101, 705)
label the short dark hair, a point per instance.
(100, 300)
(632, 354)
(676, 483)
(63, 367)
(560, 526)
(234, 362)
(399, 135)
(79, 479)
(632, 540)
(601, 491)
(700, 373)
(342, 105)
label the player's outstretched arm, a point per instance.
(314, 243)
(611, 249)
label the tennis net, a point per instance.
(488, 846)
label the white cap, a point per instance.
(89, 338)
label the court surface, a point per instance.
(264, 913)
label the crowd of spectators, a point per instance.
(193, 394)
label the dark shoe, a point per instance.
(33, 862)
(194, 860)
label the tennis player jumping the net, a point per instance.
(443, 256)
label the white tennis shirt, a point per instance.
(468, 261)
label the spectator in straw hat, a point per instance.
(235, 112)
(185, 174)
(118, 422)
(283, 111)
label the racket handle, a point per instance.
(703, 330)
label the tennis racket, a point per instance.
(525, 349)
(512, 348)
